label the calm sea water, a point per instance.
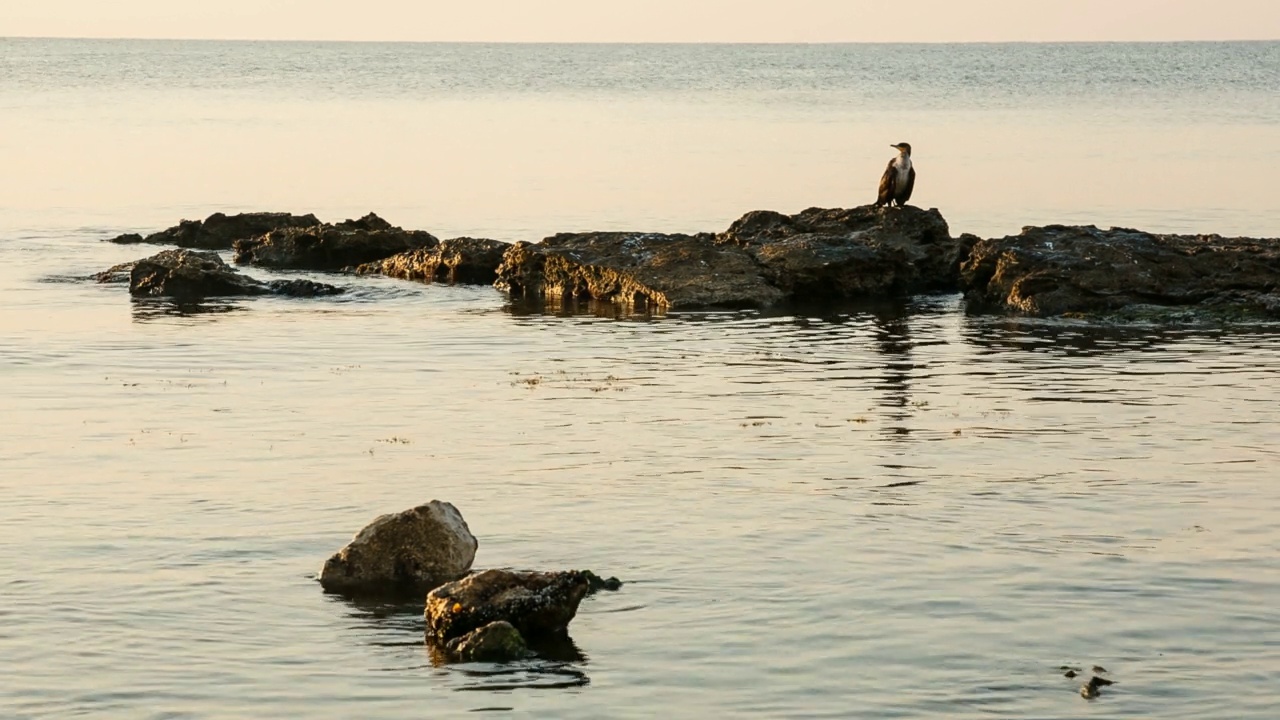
(882, 510)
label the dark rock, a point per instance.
(762, 259)
(367, 223)
(536, 603)
(598, 583)
(303, 288)
(190, 275)
(409, 552)
(220, 231)
(497, 642)
(1070, 674)
(1059, 270)
(116, 273)
(636, 269)
(1092, 689)
(331, 247)
(825, 254)
(457, 260)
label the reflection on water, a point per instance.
(153, 309)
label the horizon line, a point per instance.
(641, 42)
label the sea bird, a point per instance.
(899, 178)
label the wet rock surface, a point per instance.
(190, 275)
(330, 247)
(831, 254)
(763, 259)
(456, 260)
(636, 269)
(409, 552)
(1062, 270)
(496, 642)
(535, 603)
(219, 231)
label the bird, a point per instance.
(899, 178)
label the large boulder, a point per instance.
(409, 552)
(219, 231)
(535, 603)
(330, 247)
(456, 260)
(646, 270)
(1058, 269)
(189, 275)
(831, 254)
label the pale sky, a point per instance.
(648, 20)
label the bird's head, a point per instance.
(904, 148)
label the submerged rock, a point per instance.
(189, 275)
(220, 231)
(647, 270)
(831, 254)
(457, 260)
(1058, 270)
(331, 247)
(535, 603)
(497, 642)
(408, 552)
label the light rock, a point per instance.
(407, 552)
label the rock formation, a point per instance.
(831, 254)
(220, 231)
(190, 275)
(1057, 269)
(409, 552)
(457, 260)
(330, 247)
(763, 259)
(636, 270)
(535, 603)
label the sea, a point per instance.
(887, 509)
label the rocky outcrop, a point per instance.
(1059, 270)
(763, 259)
(457, 260)
(330, 247)
(497, 642)
(636, 269)
(409, 552)
(535, 603)
(830, 254)
(220, 231)
(190, 275)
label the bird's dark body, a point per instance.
(892, 189)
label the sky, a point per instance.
(648, 20)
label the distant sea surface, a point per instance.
(877, 510)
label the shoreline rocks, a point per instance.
(330, 247)
(763, 259)
(1082, 270)
(645, 270)
(191, 275)
(410, 552)
(457, 260)
(219, 231)
(825, 254)
(766, 259)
